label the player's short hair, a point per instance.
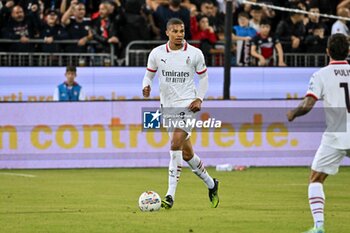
(265, 21)
(338, 46)
(243, 14)
(319, 26)
(174, 21)
(206, 2)
(71, 69)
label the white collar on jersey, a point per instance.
(338, 63)
(184, 47)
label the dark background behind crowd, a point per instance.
(119, 22)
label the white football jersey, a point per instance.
(176, 70)
(332, 84)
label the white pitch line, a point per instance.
(16, 174)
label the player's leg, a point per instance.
(196, 164)
(178, 137)
(317, 199)
(326, 162)
(198, 168)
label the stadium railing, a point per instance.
(136, 54)
(56, 59)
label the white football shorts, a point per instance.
(327, 159)
(178, 118)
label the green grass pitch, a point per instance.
(266, 200)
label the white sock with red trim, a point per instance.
(317, 201)
(198, 168)
(175, 166)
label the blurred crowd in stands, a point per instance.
(259, 31)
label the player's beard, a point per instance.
(179, 43)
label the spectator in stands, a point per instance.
(90, 5)
(256, 13)
(241, 7)
(21, 27)
(202, 31)
(134, 23)
(114, 9)
(69, 90)
(52, 31)
(340, 25)
(5, 12)
(77, 26)
(207, 9)
(313, 21)
(216, 20)
(243, 33)
(104, 30)
(162, 13)
(317, 42)
(264, 45)
(291, 32)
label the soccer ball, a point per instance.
(149, 201)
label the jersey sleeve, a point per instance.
(152, 62)
(200, 65)
(315, 88)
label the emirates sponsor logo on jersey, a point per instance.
(174, 73)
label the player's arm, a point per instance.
(279, 49)
(147, 82)
(304, 107)
(203, 85)
(149, 75)
(254, 53)
(314, 92)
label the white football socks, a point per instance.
(317, 201)
(175, 166)
(198, 168)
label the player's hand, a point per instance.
(24, 39)
(262, 61)
(290, 115)
(295, 42)
(113, 40)
(34, 8)
(146, 91)
(82, 41)
(195, 106)
(247, 38)
(48, 40)
(282, 63)
(9, 4)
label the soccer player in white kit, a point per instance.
(176, 63)
(331, 84)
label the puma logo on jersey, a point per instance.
(163, 60)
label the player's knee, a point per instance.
(186, 155)
(175, 145)
(317, 177)
(316, 180)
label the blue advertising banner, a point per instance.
(106, 83)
